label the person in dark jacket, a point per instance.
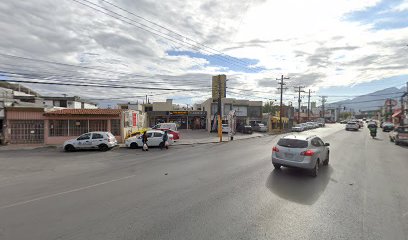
(165, 138)
(144, 140)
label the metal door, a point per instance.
(26, 131)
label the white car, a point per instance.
(154, 139)
(92, 140)
(352, 126)
(225, 128)
(298, 128)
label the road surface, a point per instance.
(213, 191)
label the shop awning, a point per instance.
(396, 114)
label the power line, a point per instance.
(178, 34)
(153, 31)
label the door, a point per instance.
(324, 149)
(97, 138)
(317, 148)
(84, 141)
(157, 138)
(27, 131)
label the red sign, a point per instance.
(134, 119)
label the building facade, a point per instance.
(245, 111)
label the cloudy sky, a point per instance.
(170, 49)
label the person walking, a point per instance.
(144, 141)
(164, 140)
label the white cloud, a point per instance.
(311, 41)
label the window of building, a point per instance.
(58, 128)
(115, 127)
(98, 125)
(82, 105)
(255, 112)
(148, 109)
(78, 127)
(63, 103)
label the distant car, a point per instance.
(259, 127)
(225, 128)
(399, 135)
(352, 126)
(172, 126)
(298, 128)
(343, 122)
(310, 125)
(387, 127)
(301, 151)
(244, 129)
(154, 139)
(92, 140)
(176, 134)
(360, 123)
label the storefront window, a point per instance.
(115, 127)
(58, 128)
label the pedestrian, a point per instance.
(144, 141)
(164, 141)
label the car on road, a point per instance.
(154, 139)
(301, 151)
(244, 129)
(176, 134)
(225, 128)
(387, 127)
(399, 135)
(259, 127)
(310, 125)
(92, 140)
(352, 125)
(343, 122)
(298, 128)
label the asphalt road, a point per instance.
(213, 191)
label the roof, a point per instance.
(86, 112)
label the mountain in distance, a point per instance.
(370, 101)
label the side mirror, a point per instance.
(327, 144)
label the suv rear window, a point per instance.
(292, 143)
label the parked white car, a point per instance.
(154, 139)
(225, 128)
(298, 128)
(92, 140)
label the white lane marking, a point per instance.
(65, 192)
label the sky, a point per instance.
(170, 49)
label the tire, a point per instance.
(326, 162)
(396, 142)
(103, 147)
(315, 170)
(69, 148)
(277, 166)
(133, 145)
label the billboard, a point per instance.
(216, 82)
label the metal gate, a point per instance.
(27, 131)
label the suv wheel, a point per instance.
(133, 145)
(103, 147)
(277, 166)
(315, 170)
(396, 142)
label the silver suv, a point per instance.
(301, 151)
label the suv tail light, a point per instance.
(275, 149)
(307, 153)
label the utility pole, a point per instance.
(299, 90)
(219, 109)
(281, 83)
(308, 107)
(323, 110)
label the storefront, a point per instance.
(183, 119)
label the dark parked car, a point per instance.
(244, 129)
(388, 127)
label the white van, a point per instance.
(171, 126)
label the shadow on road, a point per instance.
(296, 185)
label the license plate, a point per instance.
(289, 155)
